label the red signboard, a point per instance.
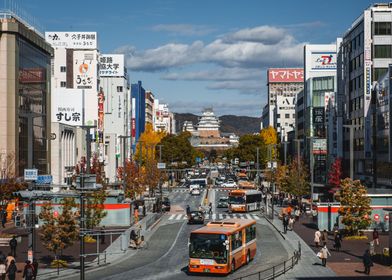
(376, 217)
(32, 75)
(285, 75)
(133, 128)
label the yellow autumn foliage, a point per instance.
(149, 139)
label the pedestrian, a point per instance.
(13, 243)
(200, 208)
(338, 242)
(35, 265)
(9, 259)
(317, 236)
(11, 270)
(291, 223)
(297, 213)
(376, 237)
(367, 261)
(324, 252)
(28, 271)
(324, 237)
(3, 218)
(136, 215)
(144, 210)
(314, 214)
(285, 223)
(188, 210)
(210, 208)
(335, 230)
(2, 271)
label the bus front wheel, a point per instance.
(232, 266)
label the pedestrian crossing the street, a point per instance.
(215, 216)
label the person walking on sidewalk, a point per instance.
(13, 243)
(28, 271)
(376, 237)
(317, 236)
(324, 237)
(324, 252)
(338, 242)
(297, 213)
(8, 260)
(367, 261)
(285, 220)
(35, 265)
(11, 270)
(3, 218)
(2, 270)
(291, 223)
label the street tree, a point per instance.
(269, 136)
(295, 178)
(151, 175)
(133, 180)
(355, 206)
(148, 140)
(8, 181)
(335, 176)
(247, 147)
(60, 228)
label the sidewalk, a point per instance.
(309, 266)
(346, 262)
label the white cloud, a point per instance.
(245, 48)
(183, 29)
(217, 74)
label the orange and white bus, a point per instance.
(223, 246)
(244, 200)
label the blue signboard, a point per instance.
(44, 179)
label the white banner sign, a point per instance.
(85, 74)
(72, 40)
(111, 65)
(67, 106)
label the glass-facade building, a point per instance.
(25, 95)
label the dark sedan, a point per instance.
(223, 202)
(196, 217)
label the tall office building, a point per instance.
(24, 96)
(365, 54)
(138, 121)
(284, 84)
(77, 100)
(320, 123)
(117, 108)
(150, 108)
(163, 118)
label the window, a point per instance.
(63, 84)
(382, 51)
(63, 69)
(293, 116)
(378, 73)
(382, 28)
(250, 233)
(236, 240)
(287, 116)
(119, 89)
(278, 116)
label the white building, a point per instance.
(319, 108)
(117, 108)
(74, 87)
(163, 118)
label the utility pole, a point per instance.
(299, 141)
(351, 127)
(123, 139)
(311, 169)
(257, 166)
(160, 183)
(86, 128)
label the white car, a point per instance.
(195, 192)
(229, 184)
(194, 186)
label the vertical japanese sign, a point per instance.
(67, 106)
(390, 110)
(72, 40)
(85, 73)
(101, 99)
(133, 121)
(111, 65)
(319, 121)
(368, 83)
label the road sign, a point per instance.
(44, 179)
(30, 174)
(161, 165)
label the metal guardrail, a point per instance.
(276, 270)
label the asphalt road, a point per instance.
(167, 254)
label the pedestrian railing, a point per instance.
(276, 270)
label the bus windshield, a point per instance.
(208, 246)
(237, 200)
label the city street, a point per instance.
(166, 255)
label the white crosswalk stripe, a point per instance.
(178, 217)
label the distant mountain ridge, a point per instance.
(239, 125)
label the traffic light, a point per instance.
(17, 221)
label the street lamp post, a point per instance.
(160, 183)
(123, 138)
(351, 127)
(257, 166)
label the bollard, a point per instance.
(273, 272)
(284, 267)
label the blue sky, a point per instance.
(194, 54)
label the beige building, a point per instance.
(24, 94)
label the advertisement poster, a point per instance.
(67, 106)
(287, 75)
(85, 70)
(368, 84)
(72, 40)
(323, 61)
(111, 65)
